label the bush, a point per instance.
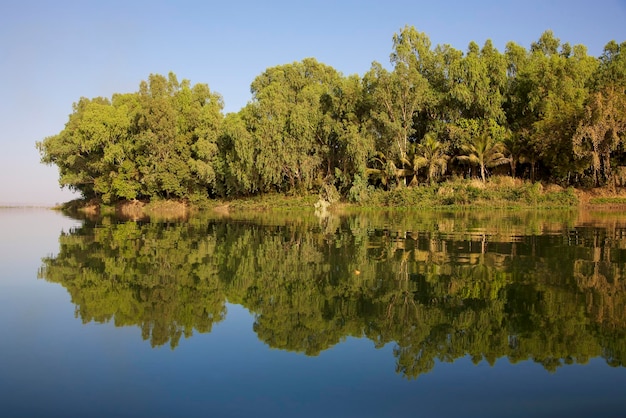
(500, 191)
(329, 193)
(358, 192)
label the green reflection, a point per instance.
(547, 287)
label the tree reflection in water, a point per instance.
(548, 287)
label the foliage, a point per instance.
(608, 200)
(501, 192)
(483, 151)
(400, 94)
(430, 154)
(438, 286)
(551, 112)
(158, 142)
(602, 132)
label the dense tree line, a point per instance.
(550, 112)
(524, 287)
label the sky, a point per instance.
(54, 52)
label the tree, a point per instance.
(430, 154)
(516, 151)
(484, 152)
(287, 123)
(200, 122)
(87, 151)
(384, 170)
(308, 127)
(612, 68)
(478, 83)
(547, 90)
(346, 112)
(401, 93)
(602, 131)
(237, 171)
(158, 142)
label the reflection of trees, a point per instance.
(150, 275)
(436, 290)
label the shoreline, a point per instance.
(458, 196)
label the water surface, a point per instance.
(479, 314)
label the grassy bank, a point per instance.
(500, 192)
(462, 194)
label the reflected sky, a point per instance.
(54, 365)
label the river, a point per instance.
(477, 314)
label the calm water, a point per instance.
(433, 315)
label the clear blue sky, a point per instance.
(54, 52)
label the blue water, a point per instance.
(53, 365)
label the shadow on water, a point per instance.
(542, 286)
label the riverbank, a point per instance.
(458, 194)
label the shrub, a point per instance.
(358, 192)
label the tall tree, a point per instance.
(548, 91)
(200, 123)
(286, 120)
(602, 132)
(401, 93)
(351, 142)
(88, 149)
(159, 142)
(479, 80)
(236, 167)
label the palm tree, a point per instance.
(514, 148)
(520, 150)
(387, 170)
(484, 152)
(430, 154)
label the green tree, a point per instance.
(236, 166)
(400, 94)
(87, 152)
(384, 170)
(351, 142)
(287, 123)
(159, 142)
(431, 154)
(602, 131)
(177, 133)
(483, 151)
(548, 90)
(612, 69)
(479, 81)
(516, 150)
